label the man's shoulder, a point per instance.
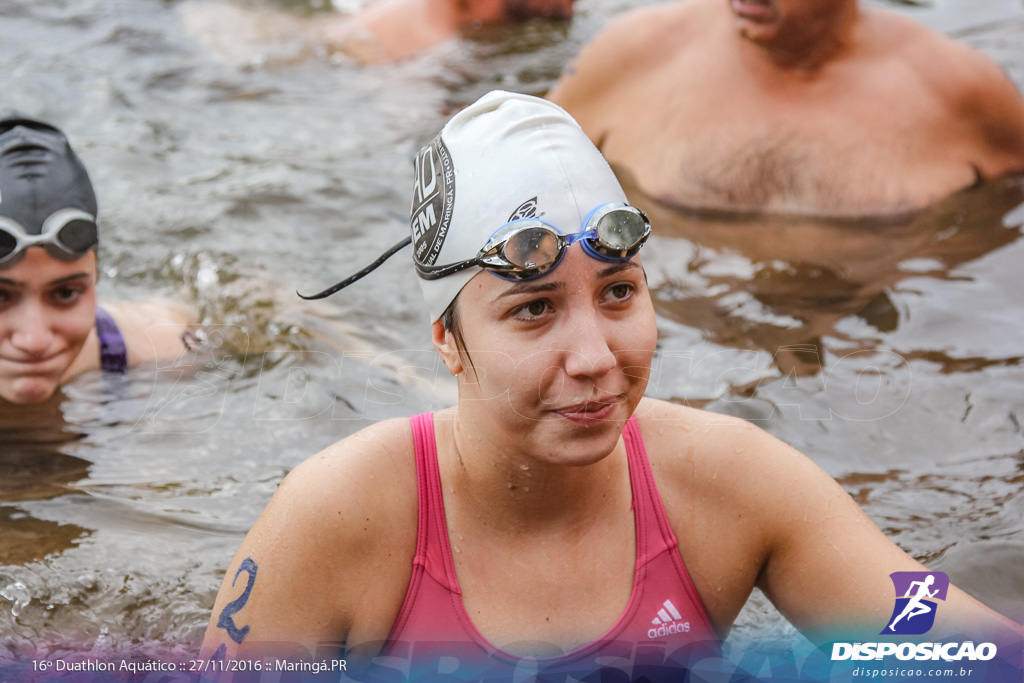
(654, 28)
(948, 64)
(641, 35)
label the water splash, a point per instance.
(19, 595)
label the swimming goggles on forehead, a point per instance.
(67, 234)
(528, 248)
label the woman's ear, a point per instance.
(446, 347)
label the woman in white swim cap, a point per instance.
(555, 522)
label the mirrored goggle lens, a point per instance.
(621, 229)
(532, 249)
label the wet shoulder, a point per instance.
(152, 330)
(651, 33)
(366, 478)
(699, 453)
(632, 41)
(622, 55)
(358, 496)
(953, 70)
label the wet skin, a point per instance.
(793, 107)
(47, 311)
(534, 480)
(560, 359)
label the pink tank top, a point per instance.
(663, 629)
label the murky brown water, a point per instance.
(891, 354)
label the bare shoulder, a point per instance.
(334, 500)
(374, 459)
(978, 97)
(706, 443)
(959, 73)
(702, 456)
(154, 329)
(340, 490)
(330, 556)
(631, 43)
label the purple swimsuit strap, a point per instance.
(113, 353)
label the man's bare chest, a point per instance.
(717, 151)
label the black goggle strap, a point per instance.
(491, 259)
(361, 274)
(438, 272)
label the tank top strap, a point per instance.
(654, 534)
(655, 537)
(432, 547)
(113, 352)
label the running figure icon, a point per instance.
(916, 606)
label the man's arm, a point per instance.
(998, 109)
(326, 560)
(982, 102)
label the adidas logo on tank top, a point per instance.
(668, 621)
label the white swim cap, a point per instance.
(504, 157)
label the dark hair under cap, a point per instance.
(39, 173)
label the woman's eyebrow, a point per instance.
(530, 288)
(616, 268)
(67, 278)
(61, 280)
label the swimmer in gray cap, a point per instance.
(51, 328)
(556, 524)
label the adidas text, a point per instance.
(668, 629)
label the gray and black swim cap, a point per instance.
(39, 173)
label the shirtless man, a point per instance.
(793, 106)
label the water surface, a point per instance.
(890, 353)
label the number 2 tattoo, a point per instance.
(225, 620)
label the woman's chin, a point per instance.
(29, 391)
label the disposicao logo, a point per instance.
(916, 595)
